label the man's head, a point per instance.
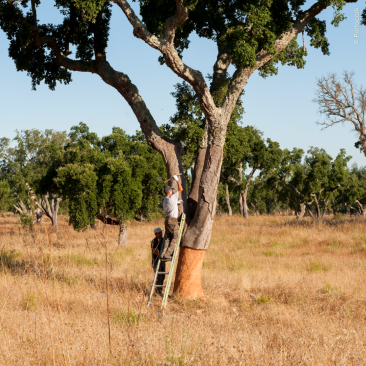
(158, 233)
(168, 191)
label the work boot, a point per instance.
(168, 254)
(159, 292)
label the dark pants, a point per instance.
(171, 235)
(161, 277)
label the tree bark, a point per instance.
(227, 198)
(122, 236)
(198, 234)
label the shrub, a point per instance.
(26, 221)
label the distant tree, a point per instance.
(343, 102)
(313, 183)
(260, 155)
(27, 159)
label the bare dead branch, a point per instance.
(341, 102)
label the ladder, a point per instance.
(171, 269)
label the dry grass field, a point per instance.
(279, 292)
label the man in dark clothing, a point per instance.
(155, 247)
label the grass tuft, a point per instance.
(29, 302)
(264, 299)
(80, 260)
(9, 259)
(130, 317)
(318, 267)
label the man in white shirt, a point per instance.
(170, 206)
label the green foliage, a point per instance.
(26, 221)
(79, 184)
(117, 172)
(120, 186)
(246, 28)
(317, 178)
(28, 159)
(85, 25)
(6, 196)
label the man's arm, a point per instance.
(154, 248)
(180, 188)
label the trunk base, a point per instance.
(188, 277)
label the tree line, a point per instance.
(114, 178)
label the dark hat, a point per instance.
(167, 189)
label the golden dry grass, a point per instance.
(279, 292)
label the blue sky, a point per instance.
(281, 106)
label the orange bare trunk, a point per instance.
(189, 271)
